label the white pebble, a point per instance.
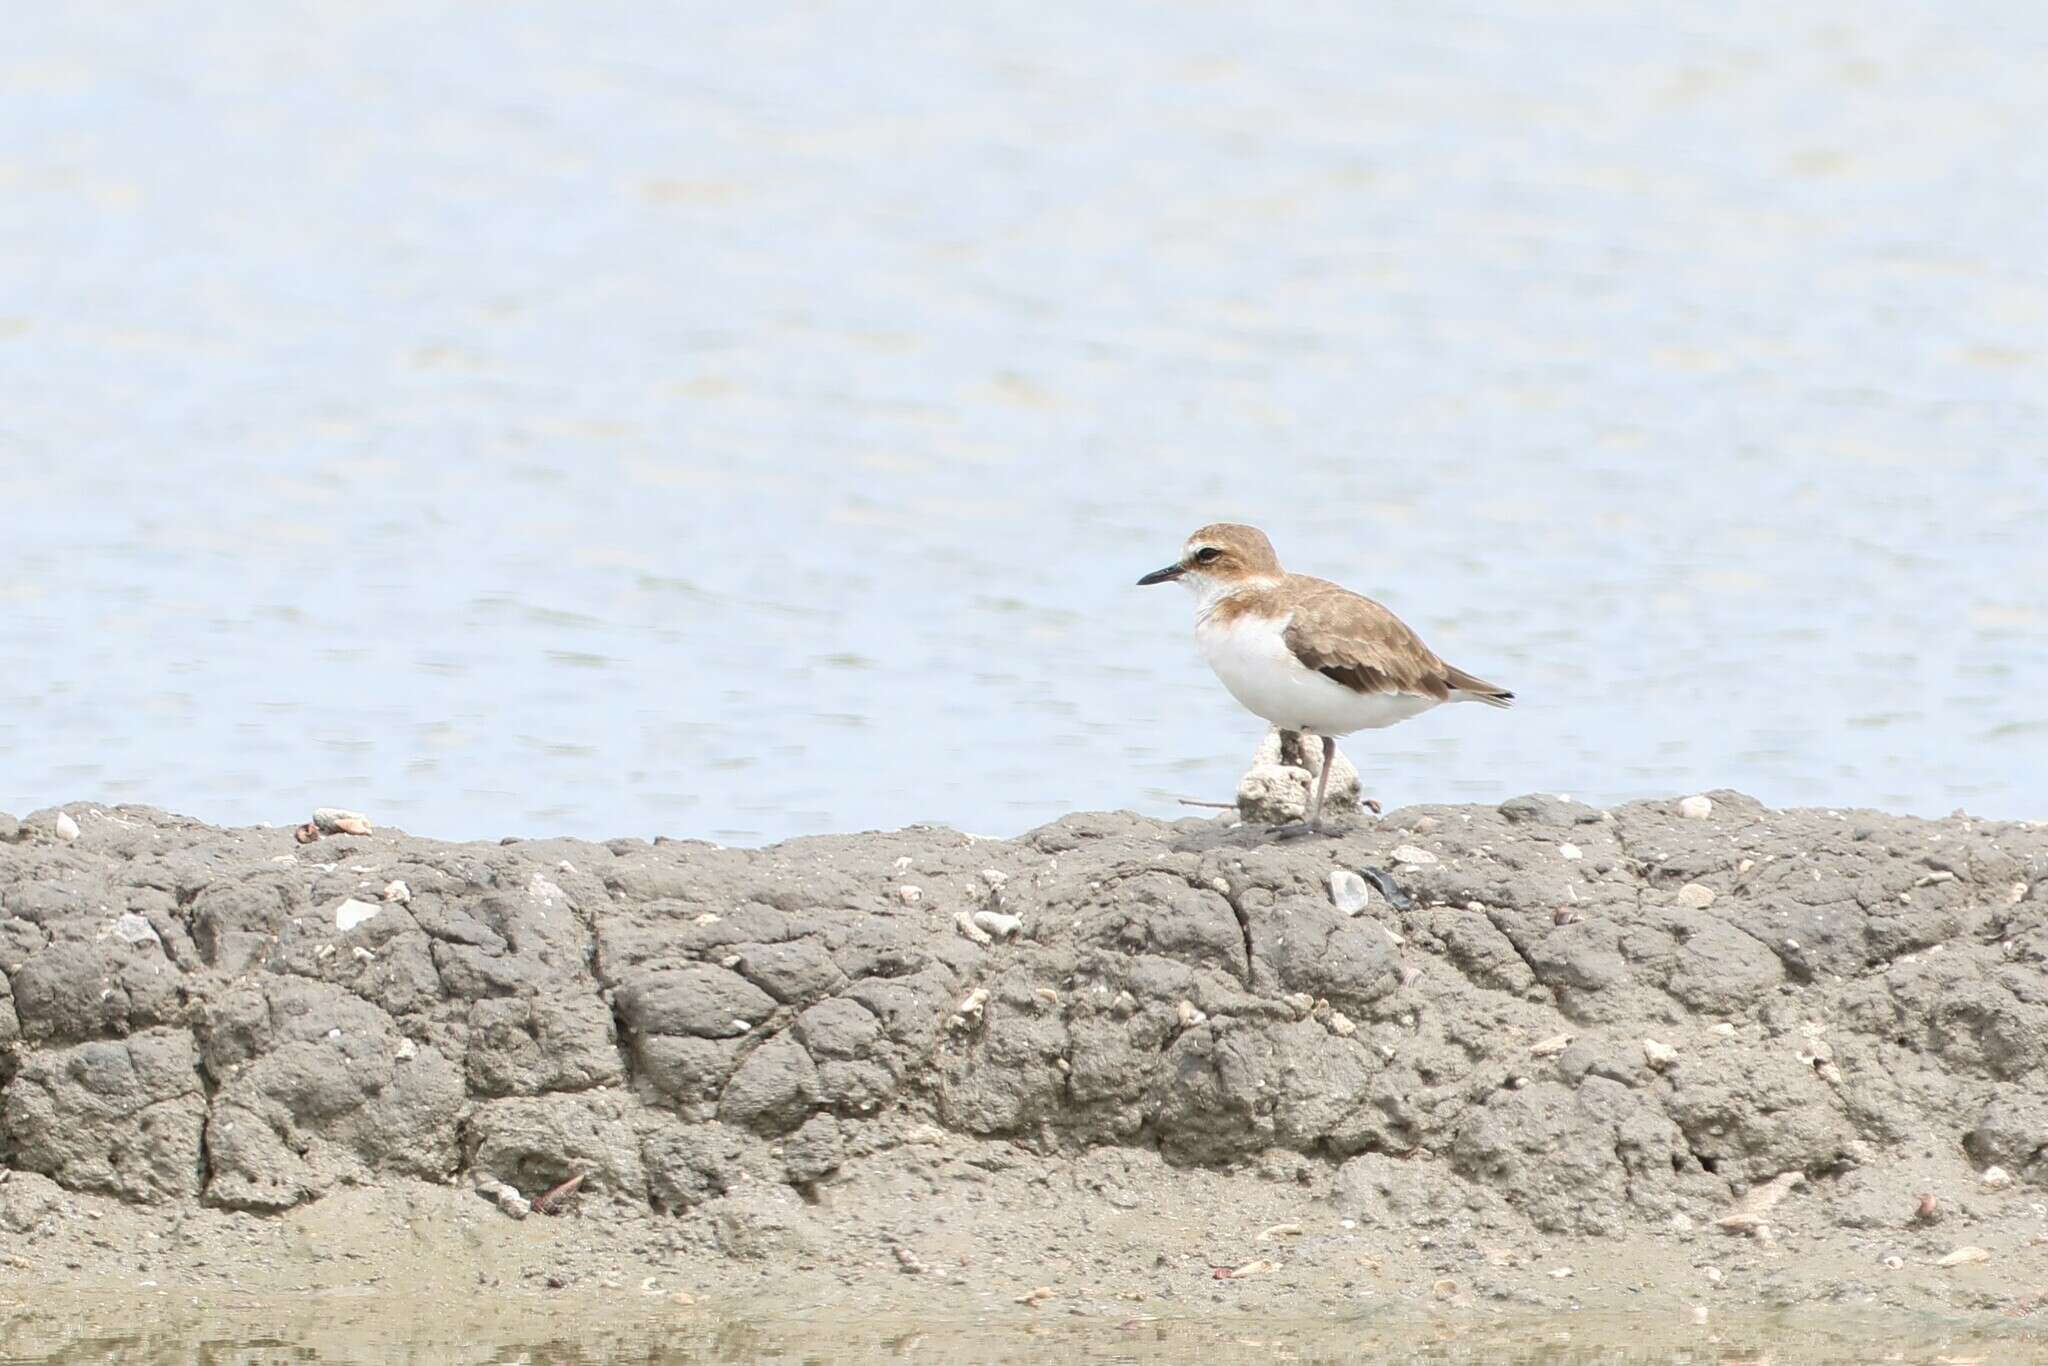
(1716, 1275)
(1190, 1015)
(1570, 851)
(1696, 808)
(1341, 1025)
(352, 913)
(1408, 853)
(909, 895)
(965, 924)
(998, 924)
(67, 829)
(1348, 891)
(1696, 895)
(1659, 1055)
(407, 1050)
(995, 878)
(396, 891)
(1995, 1179)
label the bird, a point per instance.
(1304, 653)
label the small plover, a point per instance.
(1304, 653)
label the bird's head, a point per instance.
(1219, 557)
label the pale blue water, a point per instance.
(744, 420)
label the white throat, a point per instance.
(1211, 592)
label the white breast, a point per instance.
(1251, 656)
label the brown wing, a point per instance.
(1362, 645)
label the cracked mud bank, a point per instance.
(1674, 1054)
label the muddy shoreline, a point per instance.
(1687, 1057)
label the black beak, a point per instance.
(1166, 575)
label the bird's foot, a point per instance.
(1302, 831)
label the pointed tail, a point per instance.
(1466, 688)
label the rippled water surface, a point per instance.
(745, 420)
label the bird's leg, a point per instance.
(1315, 810)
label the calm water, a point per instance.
(744, 420)
(244, 1332)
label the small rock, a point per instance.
(909, 895)
(1281, 781)
(964, 922)
(1894, 1261)
(504, 1197)
(1301, 1003)
(1995, 1179)
(1036, 1296)
(1267, 1235)
(1558, 1273)
(352, 913)
(912, 1264)
(1570, 852)
(396, 892)
(999, 924)
(332, 820)
(995, 878)
(1696, 895)
(1681, 1223)
(1238, 1273)
(406, 1051)
(10, 828)
(1348, 891)
(969, 1009)
(1408, 853)
(67, 829)
(1747, 1215)
(1696, 808)
(1964, 1256)
(1189, 1014)
(1444, 1289)
(1659, 1055)
(1340, 1024)
(1715, 1275)
(1550, 1047)
(131, 928)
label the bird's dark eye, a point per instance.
(1208, 554)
